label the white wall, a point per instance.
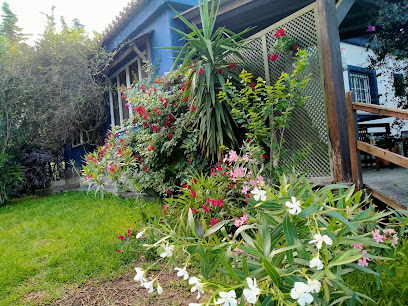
(358, 56)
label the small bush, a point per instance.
(10, 178)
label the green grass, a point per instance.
(65, 239)
(394, 288)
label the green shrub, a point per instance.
(294, 243)
(10, 178)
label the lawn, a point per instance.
(49, 243)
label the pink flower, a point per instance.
(395, 241)
(241, 221)
(121, 237)
(260, 180)
(357, 245)
(246, 158)
(377, 237)
(129, 230)
(389, 231)
(245, 189)
(252, 182)
(233, 157)
(193, 194)
(371, 28)
(363, 262)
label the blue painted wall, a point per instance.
(156, 16)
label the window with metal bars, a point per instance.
(363, 85)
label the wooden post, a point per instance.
(334, 89)
(354, 153)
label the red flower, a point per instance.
(193, 194)
(214, 221)
(280, 33)
(169, 135)
(231, 186)
(232, 66)
(273, 57)
(168, 191)
(145, 123)
(265, 156)
(184, 186)
(121, 237)
(295, 47)
(155, 128)
(201, 71)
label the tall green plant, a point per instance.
(205, 60)
(10, 177)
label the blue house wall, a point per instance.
(155, 16)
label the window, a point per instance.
(80, 139)
(126, 76)
(363, 85)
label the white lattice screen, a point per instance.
(308, 125)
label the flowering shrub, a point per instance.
(265, 110)
(292, 243)
(158, 145)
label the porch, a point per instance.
(388, 185)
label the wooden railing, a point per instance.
(357, 146)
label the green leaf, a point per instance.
(340, 218)
(345, 257)
(228, 267)
(364, 269)
(251, 251)
(275, 277)
(205, 263)
(215, 228)
(289, 229)
(312, 209)
(266, 237)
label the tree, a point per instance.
(66, 85)
(9, 26)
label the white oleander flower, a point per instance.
(319, 239)
(168, 250)
(159, 289)
(259, 193)
(149, 285)
(301, 293)
(182, 273)
(316, 263)
(314, 285)
(140, 234)
(198, 286)
(294, 206)
(252, 293)
(139, 276)
(227, 298)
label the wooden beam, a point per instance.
(385, 200)
(120, 58)
(148, 49)
(342, 8)
(353, 134)
(381, 110)
(138, 52)
(334, 89)
(384, 154)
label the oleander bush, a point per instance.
(288, 243)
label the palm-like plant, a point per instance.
(205, 59)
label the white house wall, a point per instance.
(358, 56)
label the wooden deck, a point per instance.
(388, 185)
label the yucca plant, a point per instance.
(205, 59)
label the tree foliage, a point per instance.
(389, 44)
(9, 26)
(50, 91)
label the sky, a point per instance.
(96, 15)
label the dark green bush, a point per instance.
(10, 177)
